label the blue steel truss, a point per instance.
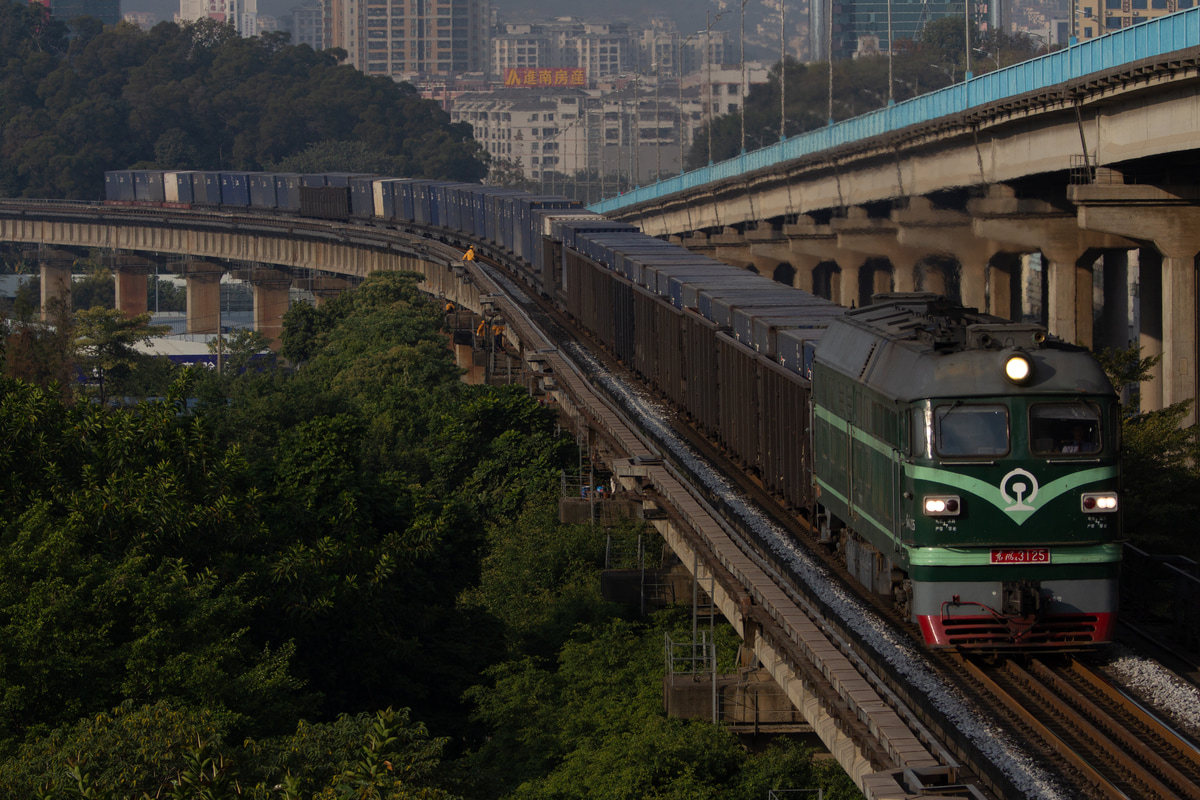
(1151, 39)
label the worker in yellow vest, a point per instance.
(470, 254)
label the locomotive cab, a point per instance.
(974, 463)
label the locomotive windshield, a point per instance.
(1072, 428)
(971, 430)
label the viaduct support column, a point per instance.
(876, 238)
(813, 244)
(271, 297)
(130, 281)
(56, 282)
(203, 295)
(1165, 217)
(937, 231)
(132, 288)
(1070, 253)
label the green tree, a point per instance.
(106, 342)
(96, 290)
(1159, 458)
(239, 349)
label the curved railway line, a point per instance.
(869, 684)
(1095, 737)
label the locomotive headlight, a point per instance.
(1017, 367)
(1098, 503)
(944, 505)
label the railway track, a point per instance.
(1113, 745)
(1092, 724)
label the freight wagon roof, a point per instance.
(909, 347)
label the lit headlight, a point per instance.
(941, 506)
(1017, 367)
(1098, 503)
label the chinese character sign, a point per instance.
(531, 77)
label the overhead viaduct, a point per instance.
(1085, 157)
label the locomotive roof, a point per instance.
(913, 346)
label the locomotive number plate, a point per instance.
(1039, 556)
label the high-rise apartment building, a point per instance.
(521, 46)
(242, 14)
(406, 38)
(308, 25)
(1097, 17)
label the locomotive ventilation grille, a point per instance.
(988, 633)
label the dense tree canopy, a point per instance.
(335, 581)
(198, 96)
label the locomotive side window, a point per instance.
(1071, 428)
(971, 430)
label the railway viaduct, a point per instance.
(1085, 157)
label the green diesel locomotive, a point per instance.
(967, 466)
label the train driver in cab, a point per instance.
(1081, 441)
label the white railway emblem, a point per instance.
(1019, 488)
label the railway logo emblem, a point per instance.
(1019, 487)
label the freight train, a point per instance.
(965, 466)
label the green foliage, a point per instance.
(96, 290)
(1159, 459)
(201, 97)
(310, 546)
(105, 342)
(41, 354)
(160, 750)
(164, 295)
(240, 348)
(591, 725)
(112, 582)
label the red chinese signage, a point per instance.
(535, 77)
(1038, 556)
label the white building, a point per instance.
(242, 14)
(547, 134)
(307, 24)
(407, 39)
(727, 86)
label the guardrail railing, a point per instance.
(1150, 39)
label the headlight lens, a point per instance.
(941, 506)
(1098, 503)
(1017, 367)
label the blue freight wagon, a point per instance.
(362, 196)
(206, 188)
(287, 191)
(148, 186)
(118, 186)
(235, 189)
(262, 190)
